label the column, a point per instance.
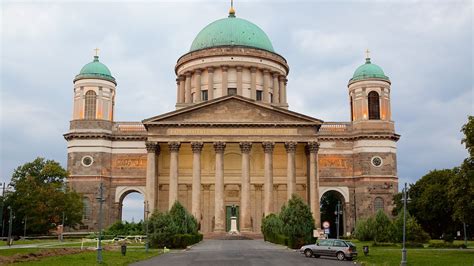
(173, 187)
(313, 148)
(219, 208)
(187, 88)
(276, 88)
(224, 80)
(282, 89)
(245, 222)
(239, 80)
(268, 177)
(151, 184)
(181, 88)
(197, 85)
(253, 83)
(210, 83)
(196, 188)
(266, 90)
(291, 168)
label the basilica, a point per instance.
(233, 140)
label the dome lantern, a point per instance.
(368, 71)
(95, 70)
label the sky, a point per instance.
(425, 47)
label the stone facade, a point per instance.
(241, 147)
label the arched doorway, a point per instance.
(329, 206)
(132, 207)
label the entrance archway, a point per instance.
(132, 207)
(329, 201)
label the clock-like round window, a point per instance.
(87, 161)
(376, 161)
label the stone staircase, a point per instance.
(227, 236)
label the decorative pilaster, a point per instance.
(210, 83)
(196, 189)
(266, 85)
(197, 85)
(291, 168)
(276, 88)
(225, 80)
(239, 80)
(182, 81)
(253, 83)
(174, 164)
(151, 184)
(313, 148)
(245, 221)
(268, 177)
(187, 88)
(219, 211)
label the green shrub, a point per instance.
(414, 245)
(271, 227)
(298, 222)
(446, 245)
(386, 244)
(185, 240)
(364, 230)
(414, 232)
(125, 229)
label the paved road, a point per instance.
(238, 252)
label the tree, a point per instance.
(40, 197)
(298, 222)
(414, 231)
(382, 226)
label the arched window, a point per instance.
(90, 106)
(86, 208)
(374, 106)
(378, 204)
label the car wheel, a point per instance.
(340, 256)
(308, 253)
(316, 256)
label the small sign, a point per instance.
(326, 224)
(326, 231)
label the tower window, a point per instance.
(204, 95)
(378, 204)
(90, 106)
(231, 91)
(86, 214)
(259, 96)
(374, 106)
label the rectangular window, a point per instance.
(259, 95)
(231, 91)
(204, 95)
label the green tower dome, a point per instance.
(368, 71)
(95, 70)
(232, 31)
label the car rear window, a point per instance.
(339, 243)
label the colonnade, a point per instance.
(273, 89)
(153, 150)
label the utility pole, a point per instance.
(1, 207)
(404, 251)
(147, 212)
(338, 212)
(101, 200)
(10, 226)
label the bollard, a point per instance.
(366, 250)
(123, 249)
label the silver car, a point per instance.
(340, 249)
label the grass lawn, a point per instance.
(391, 255)
(110, 257)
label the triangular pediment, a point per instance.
(232, 110)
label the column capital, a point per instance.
(198, 71)
(210, 69)
(188, 74)
(245, 147)
(174, 146)
(219, 147)
(275, 74)
(239, 68)
(281, 77)
(206, 186)
(182, 77)
(258, 187)
(224, 68)
(152, 147)
(253, 69)
(266, 71)
(197, 147)
(290, 146)
(178, 80)
(268, 146)
(313, 146)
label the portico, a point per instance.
(239, 141)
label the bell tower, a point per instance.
(94, 92)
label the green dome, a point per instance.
(369, 71)
(232, 31)
(95, 69)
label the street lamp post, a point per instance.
(1, 207)
(147, 212)
(338, 212)
(404, 251)
(10, 221)
(101, 200)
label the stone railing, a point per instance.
(335, 127)
(128, 127)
